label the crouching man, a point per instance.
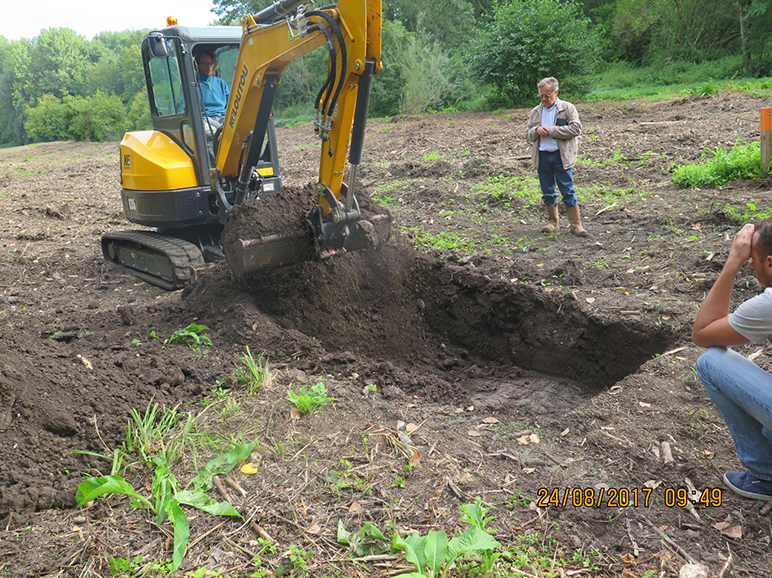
(741, 390)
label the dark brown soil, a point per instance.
(583, 342)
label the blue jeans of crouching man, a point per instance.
(742, 391)
(551, 171)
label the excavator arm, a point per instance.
(272, 39)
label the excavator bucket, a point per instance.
(248, 256)
(257, 238)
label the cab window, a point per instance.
(167, 97)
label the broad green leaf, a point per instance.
(222, 464)
(91, 488)
(436, 550)
(372, 531)
(413, 545)
(181, 532)
(411, 575)
(471, 540)
(344, 536)
(203, 502)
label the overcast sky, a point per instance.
(90, 17)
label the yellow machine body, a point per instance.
(152, 161)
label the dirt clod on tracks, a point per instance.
(584, 342)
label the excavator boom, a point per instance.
(351, 30)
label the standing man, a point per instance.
(213, 91)
(552, 128)
(741, 390)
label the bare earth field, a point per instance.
(577, 348)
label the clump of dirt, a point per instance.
(582, 343)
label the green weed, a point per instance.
(252, 373)
(749, 215)
(156, 437)
(721, 166)
(444, 241)
(309, 400)
(193, 336)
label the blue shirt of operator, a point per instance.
(548, 143)
(214, 93)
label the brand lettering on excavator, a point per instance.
(127, 162)
(239, 95)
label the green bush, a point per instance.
(47, 121)
(97, 118)
(528, 40)
(742, 162)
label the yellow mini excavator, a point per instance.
(184, 182)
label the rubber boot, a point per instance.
(552, 223)
(575, 220)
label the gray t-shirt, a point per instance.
(753, 319)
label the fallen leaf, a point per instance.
(653, 484)
(411, 427)
(415, 459)
(533, 438)
(529, 470)
(490, 420)
(644, 404)
(590, 300)
(403, 438)
(313, 528)
(474, 433)
(294, 413)
(523, 440)
(708, 454)
(735, 532)
(666, 316)
(249, 468)
(629, 559)
(356, 508)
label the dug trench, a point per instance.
(438, 330)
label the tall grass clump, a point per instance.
(742, 162)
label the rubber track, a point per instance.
(179, 253)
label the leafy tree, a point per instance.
(139, 113)
(385, 99)
(97, 118)
(59, 62)
(48, 120)
(232, 11)
(450, 23)
(528, 40)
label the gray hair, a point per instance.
(551, 80)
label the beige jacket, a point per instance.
(568, 144)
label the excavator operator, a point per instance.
(213, 91)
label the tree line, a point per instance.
(467, 54)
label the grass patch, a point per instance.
(504, 189)
(623, 81)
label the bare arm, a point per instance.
(711, 327)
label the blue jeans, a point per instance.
(742, 391)
(551, 170)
